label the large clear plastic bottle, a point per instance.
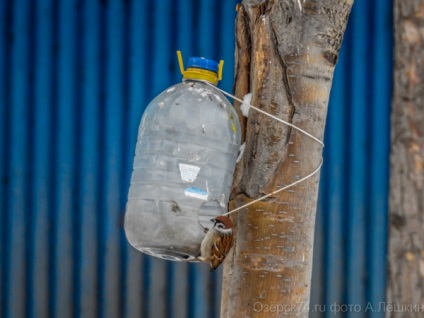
(186, 151)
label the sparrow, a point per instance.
(217, 242)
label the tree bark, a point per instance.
(405, 287)
(286, 57)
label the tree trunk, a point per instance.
(405, 288)
(286, 57)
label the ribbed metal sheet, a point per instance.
(75, 77)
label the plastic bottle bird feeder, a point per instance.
(186, 151)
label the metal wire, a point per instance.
(285, 123)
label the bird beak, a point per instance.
(213, 220)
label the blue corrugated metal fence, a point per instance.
(75, 76)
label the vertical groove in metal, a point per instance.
(357, 187)
(380, 147)
(29, 196)
(101, 163)
(53, 47)
(75, 79)
(42, 125)
(5, 39)
(87, 279)
(113, 133)
(77, 217)
(18, 165)
(64, 166)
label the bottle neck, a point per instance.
(194, 73)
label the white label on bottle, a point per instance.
(196, 193)
(188, 172)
